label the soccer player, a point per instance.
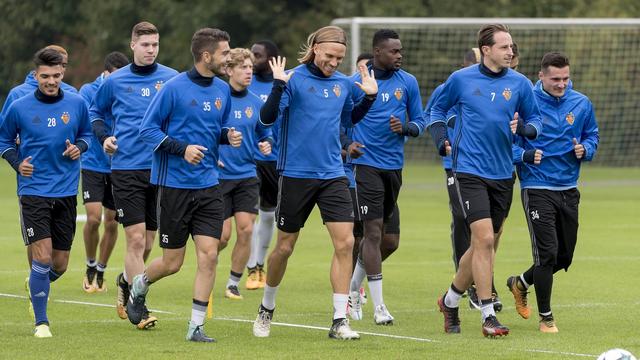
(261, 85)
(125, 96)
(486, 96)
(550, 197)
(96, 190)
(54, 129)
(184, 125)
(30, 83)
(314, 90)
(238, 182)
(396, 113)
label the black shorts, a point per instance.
(297, 197)
(358, 230)
(96, 187)
(377, 191)
(552, 217)
(460, 233)
(135, 198)
(268, 176)
(482, 198)
(184, 212)
(42, 217)
(240, 195)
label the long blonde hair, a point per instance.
(326, 34)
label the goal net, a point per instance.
(604, 56)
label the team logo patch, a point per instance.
(337, 90)
(248, 111)
(570, 118)
(398, 93)
(158, 85)
(506, 94)
(65, 117)
(218, 103)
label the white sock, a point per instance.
(269, 297)
(340, 306)
(452, 298)
(253, 261)
(264, 231)
(91, 262)
(358, 277)
(487, 310)
(234, 279)
(375, 288)
(197, 313)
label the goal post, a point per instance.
(604, 56)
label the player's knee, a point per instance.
(245, 230)
(137, 244)
(344, 245)
(285, 249)
(93, 221)
(390, 244)
(173, 265)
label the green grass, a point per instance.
(596, 303)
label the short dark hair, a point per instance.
(47, 57)
(364, 56)
(554, 59)
(207, 39)
(115, 60)
(383, 35)
(143, 28)
(487, 32)
(471, 56)
(270, 47)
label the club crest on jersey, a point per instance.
(506, 93)
(398, 93)
(248, 111)
(570, 118)
(337, 90)
(65, 117)
(158, 85)
(218, 103)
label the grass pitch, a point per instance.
(596, 304)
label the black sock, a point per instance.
(335, 321)
(528, 276)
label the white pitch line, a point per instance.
(327, 329)
(311, 327)
(81, 303)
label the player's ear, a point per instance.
(540, 74)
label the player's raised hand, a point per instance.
(578, 149)
(194, 154)
(396, 125)
(235, 137)
(368, 84)
(71, 150)
(354, 150)
(514, 123)
(537, 158)
(26, 167)
(265, 147)
(277, 67)
(110, 145)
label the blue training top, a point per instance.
(126, 95)
(261, 87)
(190, 110)
(44, 124)
(244, 116)
(311, 110)
(95, 159)
(565, 118)
(398, 95)
(486, 103)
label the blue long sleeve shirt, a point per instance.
(311, 110)
(398, 95)
(44, 124)
(244, 116)
(29, 85)
(95, 159)
(446, 160)
(261, 87)
(190, 110)
(565, 118)
(485, 104)
(125, 96)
